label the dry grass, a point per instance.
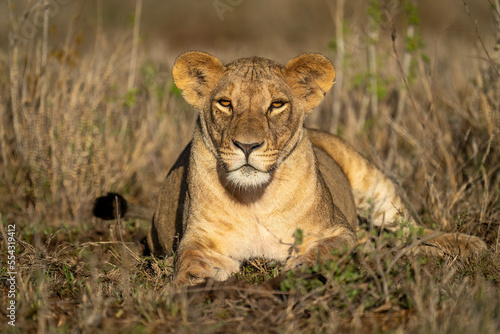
(75, 124)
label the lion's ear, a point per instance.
(196, 74)
(310, 76)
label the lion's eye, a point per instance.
(224, 103)
(224, 106)
(277, 106)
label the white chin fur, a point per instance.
(248, 177)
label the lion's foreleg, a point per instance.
(196, 261)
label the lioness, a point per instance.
(253, 175)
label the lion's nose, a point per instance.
(247, 148)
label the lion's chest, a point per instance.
(257, 239)
(269, 244)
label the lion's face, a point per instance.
(252, 110)
(252, 121)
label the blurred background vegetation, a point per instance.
(88, 104)
(236, 28)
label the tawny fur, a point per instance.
(253, 175)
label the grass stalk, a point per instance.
(480, 39)
(337, 13)
(135, 44)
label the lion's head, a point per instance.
(252, 110)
